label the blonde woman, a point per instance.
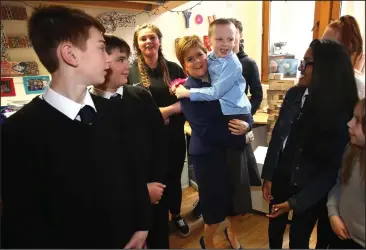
(209, 141)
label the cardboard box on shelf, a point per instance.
(275, 84)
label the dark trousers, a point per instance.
(325, 234)
(301, 225)
(158, 237)
(177, 155)
(345, 244)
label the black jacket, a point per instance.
(315, 165)
(154, 144)
(62, 189)
(251, 75)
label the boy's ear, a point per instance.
(68, 54)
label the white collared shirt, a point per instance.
(65, 105)
(106, 94)
(302, 104)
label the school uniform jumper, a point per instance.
(58, 188)
(152, 150)
(176, 151)
(302, 173)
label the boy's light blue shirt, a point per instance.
(227, 85)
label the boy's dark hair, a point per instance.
(237, 24)
(114, 42)
(48, 26)
(220, 21)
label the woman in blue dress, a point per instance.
(210, 137)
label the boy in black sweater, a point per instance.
(59, 187)
(152, 132)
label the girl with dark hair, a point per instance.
(152, 71)
(308, 141)
(346, 200)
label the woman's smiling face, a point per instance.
(195, 62)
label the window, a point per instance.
(290, 32)
(295, 23)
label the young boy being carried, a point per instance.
(225, 70)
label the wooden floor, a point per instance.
(253, 232)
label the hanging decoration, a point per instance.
(211, 18)
(19, 68)
(4, 45)
(187, 15)
(18, 42)
(198, 19)
(13, 13)
(112, 20)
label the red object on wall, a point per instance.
(7, 87)
(206, 42)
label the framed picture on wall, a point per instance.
(35, 84)
(7, 87)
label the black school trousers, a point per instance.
(158, 237)
(301, 224)
(176, 156)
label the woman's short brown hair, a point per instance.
(183, 44)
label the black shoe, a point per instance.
(227, 237)
(181, 225)
(202, 243)
(197, 209)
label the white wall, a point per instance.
(172, 26)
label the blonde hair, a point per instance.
(220, 21)
(183, 44)
(353, 154)
(145, 78)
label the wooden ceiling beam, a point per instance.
(170, 5)
(115, 5)
(147, 2)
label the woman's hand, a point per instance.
(238, 127)
(182, 92)
(166, 112)
(278, 209)
(249, 137)
(338, 227)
